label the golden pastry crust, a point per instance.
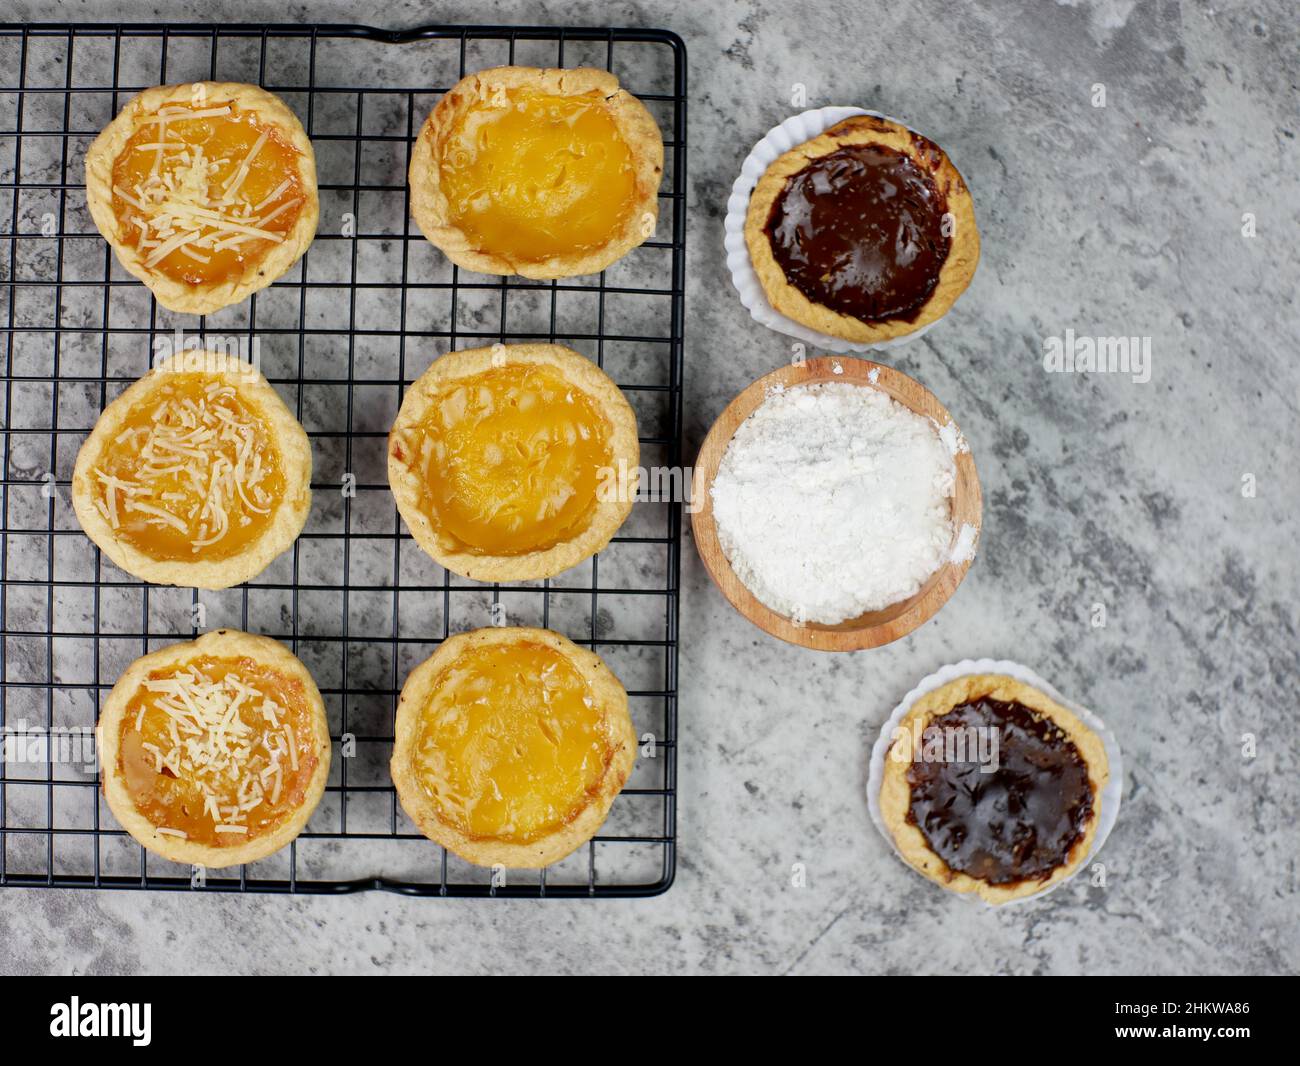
(957, 271)
(289, 513)
(258, 273)
(895, 792)
(405, 481)
(222, 644)
(621, 738)
(429, 204)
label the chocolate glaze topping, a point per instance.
(1017, 823)
(861, 231)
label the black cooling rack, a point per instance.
(361, 316)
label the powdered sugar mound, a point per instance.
(833, 500)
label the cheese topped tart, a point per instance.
(866, 232)
(513, 462)
(543, 173)
(991, 786)
(214, 751)
(206, 191)
(197, 475)
(511, 744)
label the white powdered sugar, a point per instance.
(833, 500)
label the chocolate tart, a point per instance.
(206, 191)
(507, 463)
(215, 751)
(197, 475)
(992, 787)
(541, 173)
(510, 746)
(866, 232)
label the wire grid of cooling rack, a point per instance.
(340, 336)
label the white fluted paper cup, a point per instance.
(1111, 795)
(791, 133)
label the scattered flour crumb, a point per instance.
(833, 500)
(964, 550)
(952, 437)
(874, 375)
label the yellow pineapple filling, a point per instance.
(217, 751)
(201, 192)
(512, 744)
(192, 473)
(530, 175)
(511, 459)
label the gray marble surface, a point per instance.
(1113, 221)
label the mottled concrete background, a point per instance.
(1122, 220)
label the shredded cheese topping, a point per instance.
(182, 204)
(200, 465)
(208, 742)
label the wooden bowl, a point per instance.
(874, 628)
